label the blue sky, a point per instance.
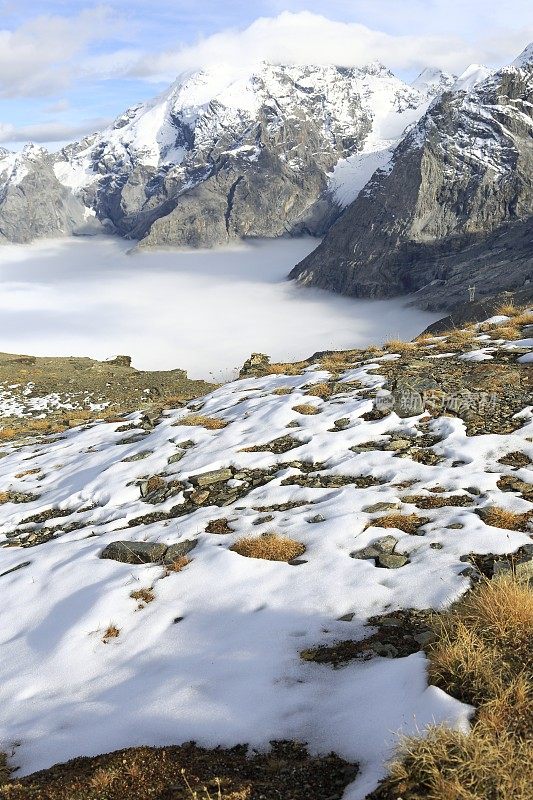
(69, 66)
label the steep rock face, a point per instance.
(220, 157)
(33, 203)
(465, 172)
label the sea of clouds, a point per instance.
(203, 311)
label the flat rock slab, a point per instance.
(178, 550)
(213, 476)
(129, 552)
(135, 552)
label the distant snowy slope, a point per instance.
(394, 107)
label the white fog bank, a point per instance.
(203, 311)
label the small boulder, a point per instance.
(179, 550)
(128, 552)
(377, 508)
(392, 560)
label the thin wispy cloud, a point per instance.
(49, 132)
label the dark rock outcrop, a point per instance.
(454, 211)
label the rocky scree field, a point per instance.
(273, 562)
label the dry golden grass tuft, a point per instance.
(306, 409)
(112, 632)
(461, 336)
(29, 427)
(143, 596)
(508, 331)
(508, 520)
(281, 390)
(28, 472)
(482, 655)
(408, 523)
(323, 390)
(523, 318)
(178, 564)
(399, 346)
(426, 339)
(287, 368)
(450, 765)
(270, 547)
(484, 642)
(339, 361)
(507, 310)
(211, 423)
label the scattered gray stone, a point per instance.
(120, 361)
(213, 476)
(262, 520)
(365, 553)
(138, 437)
(346, 617)
(178, 550)
(129, 552)
(524, 569)
(383, 649)
(501, 567)
(386, 544)
(317, 518)
(342, 424)
(258, 364)
(471, 572)
(398, 444)
(424, 638)
(379, 507)
(137, 456)
(392, 560)
(173, 459)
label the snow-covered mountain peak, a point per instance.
(220, 124)
(432, 81)
(471, 77)
(525, 58)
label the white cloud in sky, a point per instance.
(37, 58)
(71, 52)
(306, 37)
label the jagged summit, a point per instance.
(471, 77)
(525, 58)
(433, 81)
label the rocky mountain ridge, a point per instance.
(453, 209)
(220, 156)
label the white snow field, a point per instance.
(203, 311)
(215, 656)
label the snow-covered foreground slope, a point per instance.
(215, 656)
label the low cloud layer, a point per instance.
(203, 311)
